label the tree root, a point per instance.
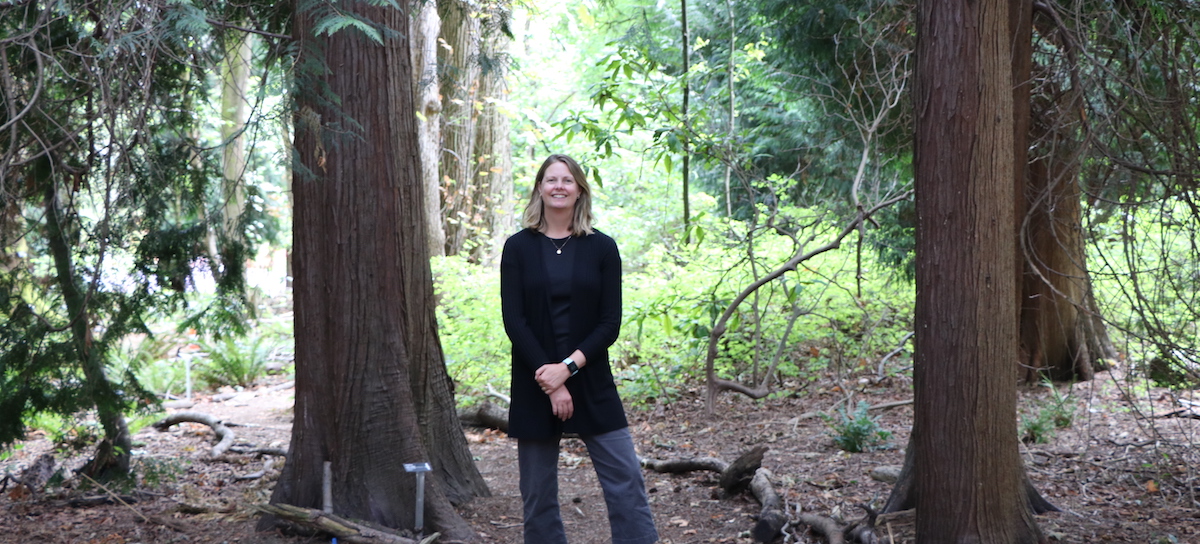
(225, 436)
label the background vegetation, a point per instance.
(798, 122)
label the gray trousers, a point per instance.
(620, 477)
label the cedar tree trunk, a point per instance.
(370, 380)
(493, 150)
(1062, 334)
(968, 478)
(458, 65)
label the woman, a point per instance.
(560, 287)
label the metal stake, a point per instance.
(420, 469)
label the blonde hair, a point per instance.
(535, 217)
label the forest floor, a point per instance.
(1118, 474)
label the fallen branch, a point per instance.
(278, 452)
(680, 466)
(821, 524)
(886, 405)
(493, 393)
(1186, 412)
(859, 532)
(256, 475)
(343, 529)
(771, 518)
(735, 476)
(281, 387)
(880, 373)
(99, 500)
(224, 434)
(115, 496)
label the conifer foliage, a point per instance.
(108, 194)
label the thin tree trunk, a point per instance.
(370, 381)
(114, 453)
(732, 109)
(968, 474)
(235, 107)
(225, 244)
(458, 65)
(426, 25)
(687, 127)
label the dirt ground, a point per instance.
(1118, 475)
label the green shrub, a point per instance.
(155, 473)
(1057, 412)
(858, 433)
(234, 361)
(1038, 429)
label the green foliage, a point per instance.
(470, 326)
(859, 432)
(234, 361)
(120, 196)
(1056, 412)
(157, 473)
(1169, 371)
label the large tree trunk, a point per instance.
(968, 476)
(493, 150)
(458, 65)
(425, 28)
(1062, 334)
(370, 381)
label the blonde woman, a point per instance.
(560, 285)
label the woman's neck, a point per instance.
(557, 223)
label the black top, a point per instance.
(526, 292)
(558, 271)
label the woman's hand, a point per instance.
(551, 377)
(561, 403)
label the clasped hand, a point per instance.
(551, 378)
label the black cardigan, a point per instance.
(595, 322)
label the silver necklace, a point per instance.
(557, 248)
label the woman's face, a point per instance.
(558, 188)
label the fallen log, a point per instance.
(342, 528)
(33, 478)
(484, 414)
(225, 436)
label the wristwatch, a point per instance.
(574, 368)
